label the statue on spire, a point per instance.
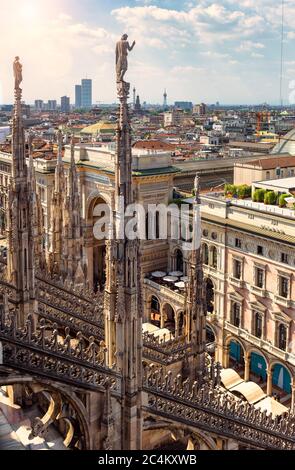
(17, 71)
(122, 49)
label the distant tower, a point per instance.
(137, 107)
(165, 99)
(134, 97)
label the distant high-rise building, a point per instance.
(78, 96)
(52, 105)
(184, 105)
(39, 105)
(65, 104)
(86, 92)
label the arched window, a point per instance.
(282, 338)
(205, 252)
(155, 305)
(258, 324)
(213, 256)
(236, 314)
(180, 324)
(179, 260)
(155, 311)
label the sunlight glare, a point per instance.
(29, 11)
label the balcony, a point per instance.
(285, 302)
(237, 282)
(261, 343)
(168, 292)
(260, 292)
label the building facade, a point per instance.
(86, 93)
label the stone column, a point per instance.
(269, 382)
(176, 325)
(225, 361)
(162, 313)
(247, 367)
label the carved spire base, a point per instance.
(123, 89)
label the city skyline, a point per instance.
(198, 51)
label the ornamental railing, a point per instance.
(50, 350)
(205, 405)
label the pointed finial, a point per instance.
(60, 143)
(17, 72)
(30, 142)
(73, 149)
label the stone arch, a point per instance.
(187, 433)
(154, 309)
(235, 355)
(278, 379)
(237, 340)
(169, 317)
(95, 248)
(91, 200)
(258, 368)
(67, 394)
(213, 256)
(253, 349)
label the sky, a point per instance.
(199, 50)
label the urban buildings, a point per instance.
(184, 105)
(65, 104)
(83, 94)
(200, 109)
(52, 105)
(78, 96)
(122, 343)
(39, 105)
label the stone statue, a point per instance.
(17, 70)
(122, 49)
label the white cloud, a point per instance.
(256, 55)
(250, 45)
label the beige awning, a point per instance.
(149, 328)
(250, 390)
(271, 406)
(230, 378)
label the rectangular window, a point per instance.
(259, 278)
(238, 243)
(237, 269)
(284, 287)
(260, 250)
(258, 325)
(284, 258)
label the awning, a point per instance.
(271, 406)
(230, 378)
(250, 390)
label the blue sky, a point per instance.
(224, 50)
